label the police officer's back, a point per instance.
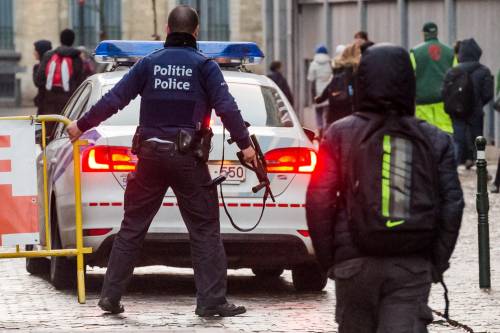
(179, 87)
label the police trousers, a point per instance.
(383, 295)
(157, 170)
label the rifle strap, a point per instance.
(264, 198)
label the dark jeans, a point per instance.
(464, 135)
(198, 204)
(383, 295)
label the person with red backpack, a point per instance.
(60, 72)
(384, 205)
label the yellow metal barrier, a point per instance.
(79, 251)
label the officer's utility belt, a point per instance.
(184, 142)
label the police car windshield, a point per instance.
(259, 105)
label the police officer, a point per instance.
(179, 87)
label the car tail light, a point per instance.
(96, 232)
(291, 160)
(108, 159)
(303, 233)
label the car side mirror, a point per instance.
(309, 133)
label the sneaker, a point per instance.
(110, 306)
(223, 310)
(495, 189)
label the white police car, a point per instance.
(280, 242)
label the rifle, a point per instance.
(260, 170)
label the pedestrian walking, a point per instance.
(496, 183)
(319, 74)
(467, 88)
(41, 47)
(431, 60)
(384, 205)
(173, 127)
(60, 72)
(340, 92)
(277, 76)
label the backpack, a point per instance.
(58, 72)
(458, 93)
(341, 89)
(391, 192)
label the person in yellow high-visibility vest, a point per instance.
(431, 60)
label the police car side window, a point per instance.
(67, 110)
(81, 102)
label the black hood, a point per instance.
(67, 51)
(386, 81)
(469, 51)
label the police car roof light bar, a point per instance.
(225, 53)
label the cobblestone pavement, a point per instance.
(162, 299)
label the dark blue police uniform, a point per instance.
(179, 87)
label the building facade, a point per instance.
(22, 22)
(293, 29)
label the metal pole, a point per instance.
(80, 264)
(327, 16)
(363, 18)
(451, 19)
(81, 14)
(403, 22)
(482, 206)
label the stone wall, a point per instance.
(36, 20)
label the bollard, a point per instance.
(482, 206)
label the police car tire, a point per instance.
(309, 278)
(62, 273)
(268, 272)
(37, 266)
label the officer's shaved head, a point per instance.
(183, 18)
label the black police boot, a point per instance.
(110, 306)
(223, 310)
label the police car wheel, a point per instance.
(309, 278)
(36, 266)
(62, 270)
(267, 272)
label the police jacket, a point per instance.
(179, 87)
(386, 81)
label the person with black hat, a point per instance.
(41, 47)
(60, 72)
(431, 60)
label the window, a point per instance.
(259, 105)
(95, 20)
(77, 103)
(6, 25)
(214, 18)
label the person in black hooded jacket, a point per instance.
(380, 294)
(41, 47)
(465, 131)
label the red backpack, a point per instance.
(58, 71)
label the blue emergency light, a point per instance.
(225, 53)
